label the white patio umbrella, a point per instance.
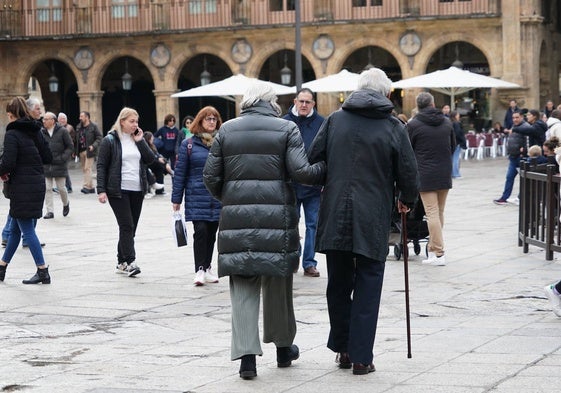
(453, 81)
(236, 85)
(342, 81)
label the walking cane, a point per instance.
(406, 273)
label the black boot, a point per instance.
(3, 272)
(42, 276)
(248, 370)
(285, 355)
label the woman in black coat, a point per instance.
(25, 153)
(121, 181)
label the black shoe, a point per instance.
(42, 276)
(48, 216)
(343, 360)
(285, 355)
(55, 190)
(69, 190)
(3, 272)
(25, 245)
(87, 190)
(361, 369)
(66, 210)
(248, 370)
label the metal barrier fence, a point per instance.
(538, 222)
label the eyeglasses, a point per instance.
(48, 118)
(305, 102)
(188, 121)
(211, 119)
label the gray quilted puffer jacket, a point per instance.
(249, 169)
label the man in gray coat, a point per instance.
(249, 169)
(62, 147)
(369, 161)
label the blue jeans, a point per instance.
(311, 211)
(511, 172)
(456, 162)
(6, 229)
(25, 226)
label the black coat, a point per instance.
(25, 153)
(61, 147)
(368, 156)
(433, 140)
(249, 169)
(109, 161)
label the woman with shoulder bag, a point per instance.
(200, 207)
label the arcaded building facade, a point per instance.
(99, 55)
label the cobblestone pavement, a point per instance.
(480, 324)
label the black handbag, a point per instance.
(180, 232)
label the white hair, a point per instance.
(375, 79)
(63, 115)
(260, 91)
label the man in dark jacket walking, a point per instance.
(88, 138)
(308, 121)
(369, 160)
(61, 147)
(433, 140)
(249, 169)
(516, 150)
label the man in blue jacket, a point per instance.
(304, 114)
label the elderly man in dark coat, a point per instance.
(433, 140)
(61, 147)
(369, 161)
(249, 169)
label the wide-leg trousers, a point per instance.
(354, 288)
(279, 323)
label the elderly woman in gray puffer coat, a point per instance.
(249, 169)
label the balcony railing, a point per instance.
(114, 17)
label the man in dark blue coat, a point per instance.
(304, 114)
(369, 159)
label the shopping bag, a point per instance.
(179, 230)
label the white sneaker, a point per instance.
(130, 269)
(435, 261)
(514, 201)
(148, 195)
(554, 300)
(210, 277)
(431, 257)
(157, 186)
(199, 277)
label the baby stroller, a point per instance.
(417, 230)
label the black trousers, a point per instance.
(354, 288)
(204, 238)
(127, 212)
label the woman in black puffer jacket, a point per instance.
(25, 153)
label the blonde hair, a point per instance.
(125, 113)
(534, 151)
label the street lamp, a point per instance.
(126, 79)
(205, 75)
(53, 80)
(285, 73)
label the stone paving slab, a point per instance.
(480, 324)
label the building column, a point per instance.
(90, 101)
(165, 104)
